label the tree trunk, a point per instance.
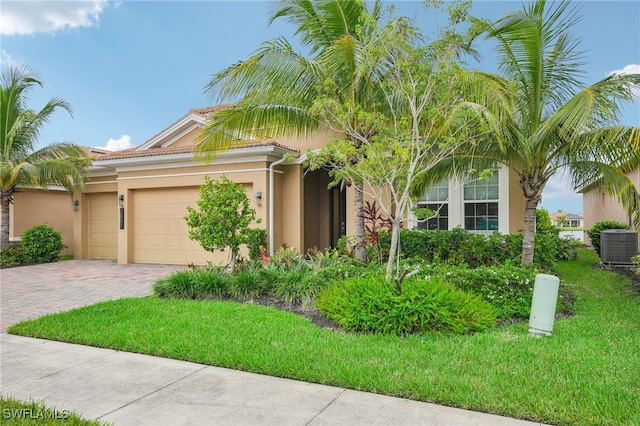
(360, 250)
(529, 234)
(4, 227)
(395, 235)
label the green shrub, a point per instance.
(245, 285)
(507, 288)
(177, 285)
(210, 284)
(256, 241)
(41, 244)
(12, 256)
(543, 223)
(460, 247)
(299, 287)
(594, 232)
(373, 305)
(636, 261)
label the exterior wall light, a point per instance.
(121, 199)
(259, 198)
(76, 203)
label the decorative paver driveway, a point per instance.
(32, 291)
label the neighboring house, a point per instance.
(132, 209)
(35, 206)
(566, 220)
(599, 206)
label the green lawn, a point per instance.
(588, 372)
(16, 412)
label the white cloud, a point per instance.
(630, 69)
(558, 194)
(124, 142)
(7, 59)
(30, 17)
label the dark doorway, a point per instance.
(338, 216)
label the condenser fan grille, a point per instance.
(618, 246)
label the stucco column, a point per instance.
(292, 198)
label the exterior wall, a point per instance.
(35, 207)
(292, 201)
(188, 139)
(599, 206)
(305, 143)
(516, 204)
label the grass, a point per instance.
(16, 412)
(586, 373)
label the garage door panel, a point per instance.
(102, 226)
(161, 234)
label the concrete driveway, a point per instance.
(32, 291)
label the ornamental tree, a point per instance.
(420, 136)
(223, 217)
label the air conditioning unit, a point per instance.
(617, 246)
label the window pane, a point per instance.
(443, 193)
(481, 193)
(482, 224)
(469, 209)
(481, 216)
(469, 193)
(437, 192)
(444, 224)
(493, 192)
(469, 223)
(481, 189)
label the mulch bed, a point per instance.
(625, 271)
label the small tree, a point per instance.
(223, 217)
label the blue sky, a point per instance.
(131, 68)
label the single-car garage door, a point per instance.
(103, 225)
(160, 233)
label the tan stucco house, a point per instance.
(599, 206)
(54, 207)
(132, 209)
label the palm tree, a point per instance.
(20, 165)
(279, 88)
(547, 120)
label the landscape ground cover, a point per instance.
(586, 373)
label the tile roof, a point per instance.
(204, 112)
(93, 152)
(169, 150)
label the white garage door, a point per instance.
(103, 226)
(160, 233)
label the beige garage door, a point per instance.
(103, 226)
(160, 233)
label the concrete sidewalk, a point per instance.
(132, 389)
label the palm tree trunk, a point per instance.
(4, 226)
(529, 234)
(359, 251)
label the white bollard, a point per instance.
(543, 305)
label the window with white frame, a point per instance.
(481, 204)
(436, 199)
